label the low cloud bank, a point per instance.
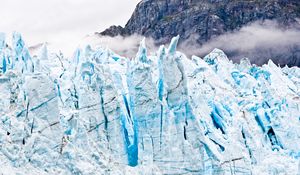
(258, 42)
(125, 46)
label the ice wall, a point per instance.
(100, 113)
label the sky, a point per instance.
(59, 21)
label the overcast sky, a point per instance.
(56, 20)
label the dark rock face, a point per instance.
(164, 19)
(114, 31)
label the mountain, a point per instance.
(204, 20)
(99, 113)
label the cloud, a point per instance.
(259, 41)
(125, 46)
(56, 21)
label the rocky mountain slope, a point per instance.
(207, 19)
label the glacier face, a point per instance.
(100, 113)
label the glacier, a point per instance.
(97, 112)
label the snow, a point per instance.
(100, 113)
